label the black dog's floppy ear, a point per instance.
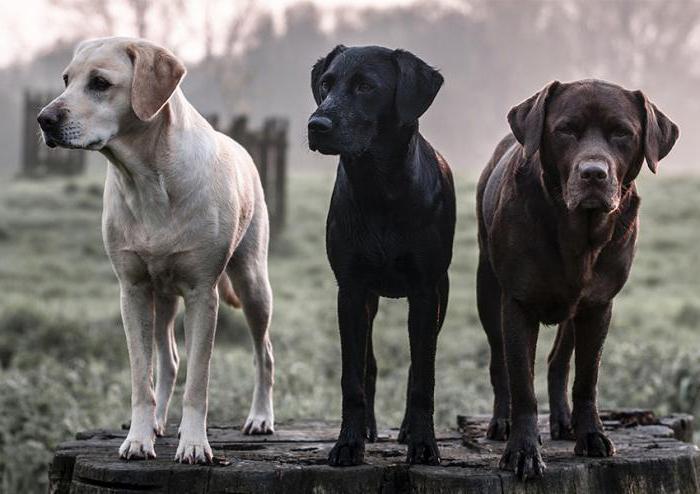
(416, 86)
(320, 67)
(660, 133)
(527, 119)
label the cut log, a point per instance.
(654, 455)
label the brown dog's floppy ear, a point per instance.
(320, 67)
(416, 86)
(660, 133)
(527, 119)
(157, 73)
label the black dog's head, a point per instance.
(592, 137)
(364, 91)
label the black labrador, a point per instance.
(389, 230)
(557, 211)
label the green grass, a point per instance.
(63, 364)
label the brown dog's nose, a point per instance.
(593, 171)
(49, 119)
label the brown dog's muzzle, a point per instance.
(592, 185)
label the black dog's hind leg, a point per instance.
(557, 381)
(354, 332)
(444, 289)
(591, 328)
(371, 370)
(424, 311)
(488, 300)
(520, 330)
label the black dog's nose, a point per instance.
(320, 125)
(50, 119)
(593, 171)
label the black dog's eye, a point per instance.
(65, 80)
(98, 83)
(364, 87)
(325, 86)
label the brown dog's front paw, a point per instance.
(560, 428)
(594, 444)
(423, 450)
(523, 457)
(499, 429)
(348, 451)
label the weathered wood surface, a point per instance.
(652, 458)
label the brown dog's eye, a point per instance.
(99, 84)
(566, 130)
(620, 133)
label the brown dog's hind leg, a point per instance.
(557, 381)
(591, 328)
(488, 297)
(371, 370)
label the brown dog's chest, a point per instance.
(554, 285)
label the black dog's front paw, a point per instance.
(348, 451)
(423, 449)
(371, 428)
(499, 429)
(403, 433)
(594, 444)
(523, 457)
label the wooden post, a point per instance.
(650, 458)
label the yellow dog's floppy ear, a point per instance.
(157, 73)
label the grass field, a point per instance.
(63, 364)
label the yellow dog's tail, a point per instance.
(227, 293)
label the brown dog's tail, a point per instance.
(227, 293)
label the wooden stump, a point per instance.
(652, 458)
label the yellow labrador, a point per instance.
(184, 216)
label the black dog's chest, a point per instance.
(376, 251)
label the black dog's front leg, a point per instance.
(520, 329)
(354, 330)
(591, 328)
(423, 323)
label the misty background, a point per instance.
(254, 57)
(63, 357)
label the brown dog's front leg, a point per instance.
(423, 323)
(354, 330)
(522, 453)
(591, 328)
(557, 381)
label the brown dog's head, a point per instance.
(112, 85)
(592, 137)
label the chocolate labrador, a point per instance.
(557, 209)
(389, 230)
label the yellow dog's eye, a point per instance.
(98, 83)
(65, 80)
